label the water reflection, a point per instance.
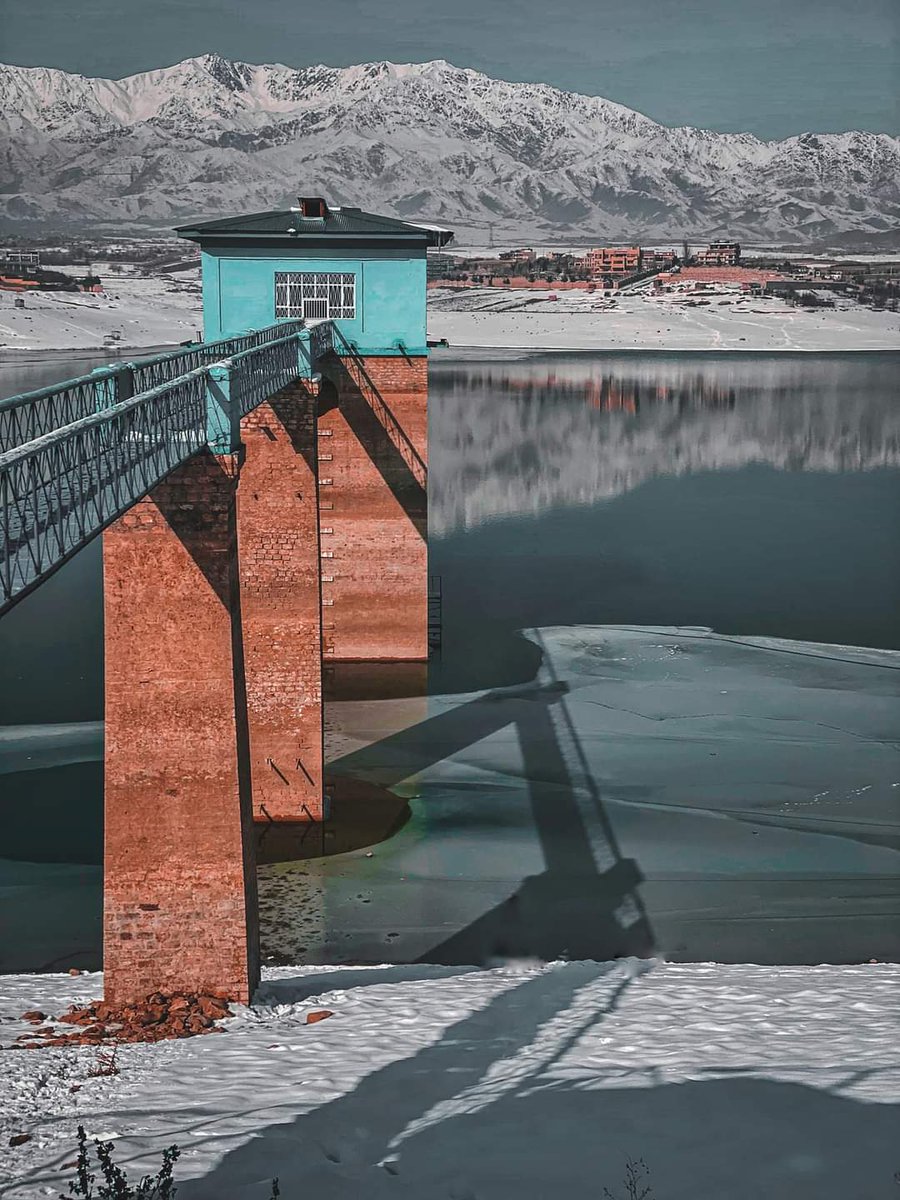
(604, 390)
(577, 430)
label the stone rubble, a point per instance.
(154, 1019)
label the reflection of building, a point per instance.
(612, 393)
(616, 393)
(719, 254)
(613, 260)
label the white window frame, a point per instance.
(315, 295)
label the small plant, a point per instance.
(106, 1063)
(115, 1185)
(636, 1173)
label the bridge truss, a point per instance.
(75, 456)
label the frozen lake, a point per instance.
(593, 773)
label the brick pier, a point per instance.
(180, 909)
(278, 549)
(373, 513)
(225, 589)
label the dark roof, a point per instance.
(350, 223)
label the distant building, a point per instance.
(525, 254)
(719, 254)
(17, 283)
(698, 277)
(20, 258)
(613, 260)
(438, 265)
(659, 260)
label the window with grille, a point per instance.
(315, 295)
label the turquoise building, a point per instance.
(365, 272)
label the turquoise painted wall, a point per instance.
(239, 293)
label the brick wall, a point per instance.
(719, 275)
(180, 884)
(280, 599)
(373, 514)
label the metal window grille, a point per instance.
(315, 295)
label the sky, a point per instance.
(772, 67)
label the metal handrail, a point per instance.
(61, 489)
(262, 371)
(63, 486)
(31, 414)
(36, 445)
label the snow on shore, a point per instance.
(525, 1081)
(577, 320)
(141, 311)
(134, 310)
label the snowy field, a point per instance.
(638, 320)
(518, 1083)
(141, 311)
(135, 310)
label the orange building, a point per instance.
(613, 260)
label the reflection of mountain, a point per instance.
(518, 438)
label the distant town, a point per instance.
(613, 268)
(809, 281)
(716, 295)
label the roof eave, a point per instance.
(226, 230)
(324, 241)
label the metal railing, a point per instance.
(33, 414)
(76, 456)
(29, 416)
(260, 372)
(152, 372)
(321, 340)
(60, 490)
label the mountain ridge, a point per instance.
(209, 136)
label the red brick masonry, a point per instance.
(373, 515)
(215, 636)
(278, 551)
(180, 884)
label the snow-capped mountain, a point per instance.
(425, 141)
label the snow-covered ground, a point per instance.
(516, 1083)
(134, 310)
(138, 311)
(639, 320)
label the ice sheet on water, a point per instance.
(741, 792)
(36, 747)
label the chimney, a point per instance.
(313, 206)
